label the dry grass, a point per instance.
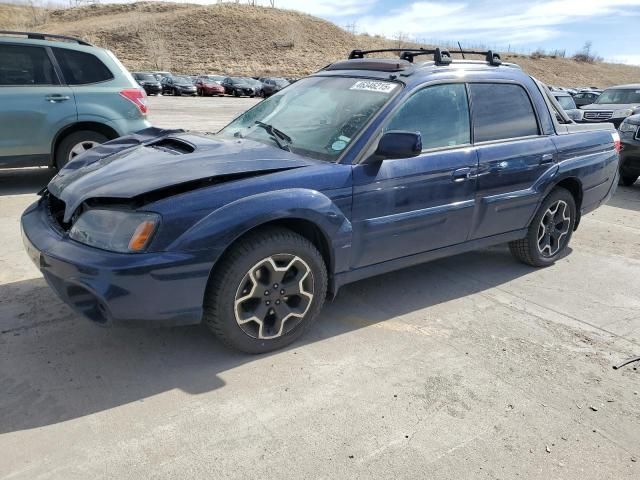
(243, 40)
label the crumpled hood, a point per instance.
(153, 159)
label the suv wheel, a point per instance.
(549, 232)
(628, 180)
(75, 144)
(266, 291)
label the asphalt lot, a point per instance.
(470, 367)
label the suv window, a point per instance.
(21, 65)
(440, 113)
(80, 68)
(501, 111)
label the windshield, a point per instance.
(318, 115)
(212, 79)
(238, 81)
(620, 96)
(567, 103)
(146, 77)
(181, 80)
(281, 82)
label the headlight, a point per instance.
(628, 127)
(115, 230)
(623, 113)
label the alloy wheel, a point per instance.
(274, 296)
(81, 147)
(553, 229)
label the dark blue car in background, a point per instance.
(367, 166)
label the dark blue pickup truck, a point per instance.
(369, 165)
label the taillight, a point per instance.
(137, 97)
(616, 141)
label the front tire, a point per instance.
(549, 232)
(266, 291)
(628, 180)
(75, 144)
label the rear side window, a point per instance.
(501, 111)
(440, 113)
(22, 65)
(81, 68)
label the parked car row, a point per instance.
(165, 83)
(611, 105)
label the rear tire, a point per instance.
(69, 146)
(549, 232)
(236, 93)
(266, 268)
(628, 180)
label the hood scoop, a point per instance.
(174, 146)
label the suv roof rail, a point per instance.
(44, 36)
(440, 56)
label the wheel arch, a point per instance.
(102, 128)
(574, 186)
(303, 227)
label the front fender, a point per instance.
(218, 230)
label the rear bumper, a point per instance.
(163, 288)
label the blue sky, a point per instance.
(613, 26)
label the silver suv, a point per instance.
(60, 97)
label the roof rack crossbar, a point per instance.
(43, 36)
(440, 56)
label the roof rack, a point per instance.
(440, 56)
(44, 36)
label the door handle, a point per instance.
(461, 174)
(546, 158)
(55, 98)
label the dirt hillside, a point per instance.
(245, 40)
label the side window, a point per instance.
(80, 68)
(23, 65)
(501, 111)
(440, 113)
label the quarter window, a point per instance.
(440, 113)
(22, 65)
(501, 111)
(80, 68)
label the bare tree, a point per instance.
(156, 47)
(586, 54)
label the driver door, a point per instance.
(408, 206)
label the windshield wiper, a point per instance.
(282, 139)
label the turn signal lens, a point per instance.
(142, 235)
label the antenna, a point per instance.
(460, 47)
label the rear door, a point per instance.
(90, 79)
(407, 206)
(512, 156)
(34, 105)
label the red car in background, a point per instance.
(209, 85)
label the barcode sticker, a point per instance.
(374, 86)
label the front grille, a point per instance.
(598, 116)
(55, 211)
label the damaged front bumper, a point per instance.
(160, 288)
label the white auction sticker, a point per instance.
(374, 86)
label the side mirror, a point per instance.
(397, 144)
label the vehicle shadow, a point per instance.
(56, 366)
(626, 197)
(19, 181)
